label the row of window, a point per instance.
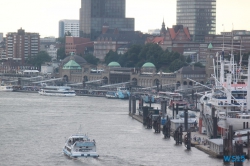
(194, 75)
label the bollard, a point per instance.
(248, 145)
(149, 121)
(186, 119)
(177, 109)
(178, 135)
(238, 153)
(173, 110)
(188, 140)
(157, 125)
(129, 105)
(145, 114)
(134, 104)
(166, 129)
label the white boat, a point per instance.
(111, 95)
(79, 145)
(6, 88)
(57, 91)
(229, 97)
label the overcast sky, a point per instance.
(42, 16)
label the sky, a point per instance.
(42, 16)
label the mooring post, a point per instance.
(145, 114)
(225, 149)
(248, 145)
(150, 100)
(186, 119)
(134, 104)
(177, 109)
(238, 154)
(129, 104)
(173, 110)
(230, 143)
(188, 140)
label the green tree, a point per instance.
(151, 53)
(111, 56)
(188, 60)
(198, 64)
(176, 65)
(91, 59)
(39, 59)
(61, 53)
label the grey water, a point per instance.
(33, 129)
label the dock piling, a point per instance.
(166, 128)
(238, 153)
(133, 105)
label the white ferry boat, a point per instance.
(4, 88)
(79, 145)
(57, 91)
(111, 95)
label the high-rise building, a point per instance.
(71, 26)
(198, 15)
(21, 45)
(95, 13)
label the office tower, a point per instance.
(198, 15)
(95, 13)
(71, 26)
(21, 45)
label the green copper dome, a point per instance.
(72, 65)
(149, 65)
(114, 64)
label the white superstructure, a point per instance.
(57, 91)
(79, 145)
(7, 88)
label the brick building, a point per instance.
(78, 45)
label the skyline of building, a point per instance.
(198, 15)
(96, 13)
(22, 45)
(71, 26)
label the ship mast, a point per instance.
(248, 85)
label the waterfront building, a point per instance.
(94, 13)
(199, 16)
(116, 40)
(176, 39)
(71, 26)
(145, 76)
(22, 45)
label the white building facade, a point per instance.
(52, 51)
(71, 26)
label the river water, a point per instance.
(33, 129)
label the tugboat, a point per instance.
(79, 145)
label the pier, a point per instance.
(185, 134)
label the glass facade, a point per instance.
(198, 15)
(94, 13)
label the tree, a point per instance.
(188, 60)
(111, 56)
(176, 65)
(61, 53)
(39, 59)
(198, 64)
(91, 59)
